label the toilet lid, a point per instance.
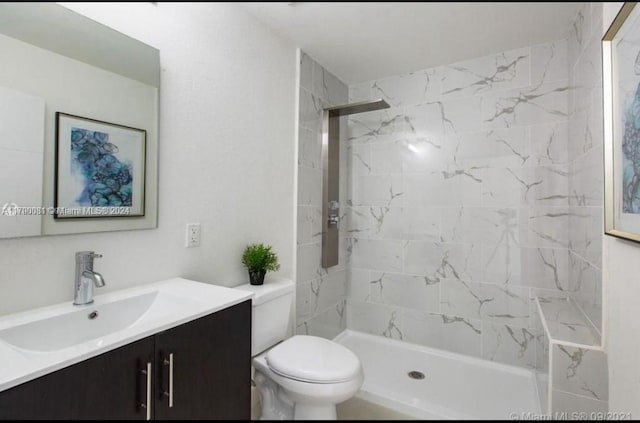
(313, 359)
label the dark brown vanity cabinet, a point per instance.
(199, 370)
(109, 386)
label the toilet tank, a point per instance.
(271, 312)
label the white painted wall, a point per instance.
(621, 274)
(622, 267)
(227, 159)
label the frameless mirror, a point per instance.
(78, 124)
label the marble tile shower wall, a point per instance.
(579, 377)
(320, 294)
(586, 153)
(459, 203)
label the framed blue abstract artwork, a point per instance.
(621, 93)
(99, 170)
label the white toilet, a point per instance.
(303, 377)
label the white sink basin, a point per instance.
(76, 327)
(40, 341)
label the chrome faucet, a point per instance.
(86, 278)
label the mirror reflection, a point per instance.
(78, 124)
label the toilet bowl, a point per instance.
(302, 377)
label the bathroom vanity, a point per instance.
(187, 355)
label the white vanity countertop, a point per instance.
(124, 316)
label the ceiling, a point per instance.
(365, 41)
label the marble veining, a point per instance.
(527, 185)
(340, 309)
(580, 371)
(480, 300)
(575, 358)
(392, 330)
(523, 156)
(507, 108)
(320, 293)
(505, 70)
(551, 263)
(523, 341)
(579, 377)
(446, 122)
(404, 90)
(378, 217)
(553, 146)
(565, 322)
(585, 145)
(363, 162)
(363, 129)
(513, 345)
(490, 73)
(447, 320)
(462, 172)
(577, 27)
(459, 203)
(445, 261)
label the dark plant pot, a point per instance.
(256, 277)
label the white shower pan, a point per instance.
(454, 386)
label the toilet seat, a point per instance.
(313, 359)
(284, 398)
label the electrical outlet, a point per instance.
(193, 235)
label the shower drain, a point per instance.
(414, 374)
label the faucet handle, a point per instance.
(81, 255)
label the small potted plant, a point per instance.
(259, 259)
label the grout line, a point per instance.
(580, 396)
(584, 259)
(556, 341)
(549, 370)
(536, 390)
(587, 319)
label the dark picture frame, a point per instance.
(99, 169)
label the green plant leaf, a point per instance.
(260, 257)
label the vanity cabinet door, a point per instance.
(211, 367)
(110, 386)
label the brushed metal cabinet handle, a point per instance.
(147, 405)
(169, 394)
